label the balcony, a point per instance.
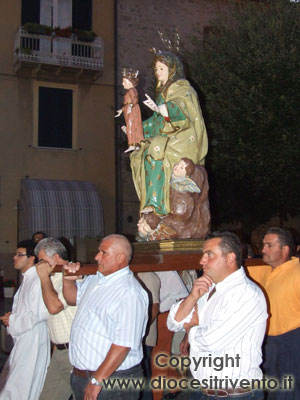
(38, 53)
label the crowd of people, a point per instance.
(72, 333)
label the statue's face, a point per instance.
(127, 84)
(161, 72)
(179, 169)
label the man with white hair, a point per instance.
(52, 252)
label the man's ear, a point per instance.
(33, 259)
(231, 257)
(121, 258)
(285, 249)
(56, 258)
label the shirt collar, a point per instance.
(236, 275)
(102, 279)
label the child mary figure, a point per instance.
(175, 130)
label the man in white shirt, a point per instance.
(24, 373)
(52, 252)
(225, 319)
(107, 331)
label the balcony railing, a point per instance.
(58, 51)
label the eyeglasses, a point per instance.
(20, 255)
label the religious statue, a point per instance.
(175, 130)
(189, 216)
(131, 110)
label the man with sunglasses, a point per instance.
(24, 373)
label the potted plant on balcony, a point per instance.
(63, 32)
(38, 29)
(85, 36)
(9, 288)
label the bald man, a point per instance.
(106, 335)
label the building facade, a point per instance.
(57, 105)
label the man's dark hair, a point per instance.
(52, 246)
(39, 233)
(285, 238)
(29, 245)
(229, 243)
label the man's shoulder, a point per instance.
(253, 286)
(293, 263)
(32, 277)
(245, 286)
(130, 286)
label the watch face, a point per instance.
(95, 382)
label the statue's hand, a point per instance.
(119, 112)
(143, 227)
(123, 129)
(151, 104)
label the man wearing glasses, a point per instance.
(24, 373)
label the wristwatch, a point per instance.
(94, 381)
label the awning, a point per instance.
(60, 208)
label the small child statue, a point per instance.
(131, 110)
(185, 219)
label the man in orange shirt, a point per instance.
(280, 280)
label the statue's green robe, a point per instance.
(183, 134)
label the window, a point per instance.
(30, 11)
(82, 14)
(77, 13)
(54, 116)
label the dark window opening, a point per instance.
(82, 14)
(55, 117)
(30, 11)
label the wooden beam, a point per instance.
(175, 261)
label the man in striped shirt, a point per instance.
(225, 319)
(107, 332)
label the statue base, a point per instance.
(167, 255)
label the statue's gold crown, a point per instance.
(130, 73)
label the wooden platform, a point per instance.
(165, 255)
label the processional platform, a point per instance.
(163, 255)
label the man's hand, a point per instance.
(184, 345)
(72, 268)
(151, 104)
(91, 392)
(5, 318)
(201, 286)
(44, 269)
